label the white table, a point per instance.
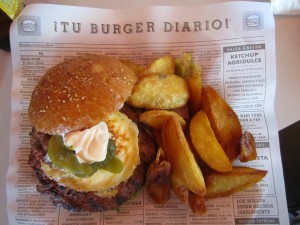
(287, 105)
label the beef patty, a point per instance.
(89, 201)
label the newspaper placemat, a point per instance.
(234, 44)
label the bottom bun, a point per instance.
(91, 201)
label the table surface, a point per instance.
(287, 104)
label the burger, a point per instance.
(89, 152)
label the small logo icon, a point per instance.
(253, 21)
(29, 25)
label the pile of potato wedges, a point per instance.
(198, 135)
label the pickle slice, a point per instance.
(64, 158)
(115, 165)
(111, 163)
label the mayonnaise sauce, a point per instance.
(90, 145)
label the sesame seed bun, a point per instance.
(79, 93)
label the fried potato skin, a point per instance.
(157, 118)
(158, 183)
(179, 154)
(186, 68)
(248, 148)
(197, 203)
(159, 91)
(223, 120)
(162, 65)
(195, 88)
(206, 144)
(136, 68)
(220, 184)
(179, 189)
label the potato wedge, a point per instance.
(136, 68)
(191, 72)
(158, 184)
(183, 112)
(223, 120)
(157, 137)
(194, 83)
(178, 152)
(157, 118)
(181, 192)
(248, 148)
(197, 203)
(159, 92)
(238, 179)
(206, 144)
(162, 65)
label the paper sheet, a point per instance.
(234, 44)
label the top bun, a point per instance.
(79, 93)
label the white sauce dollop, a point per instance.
(90, 145)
